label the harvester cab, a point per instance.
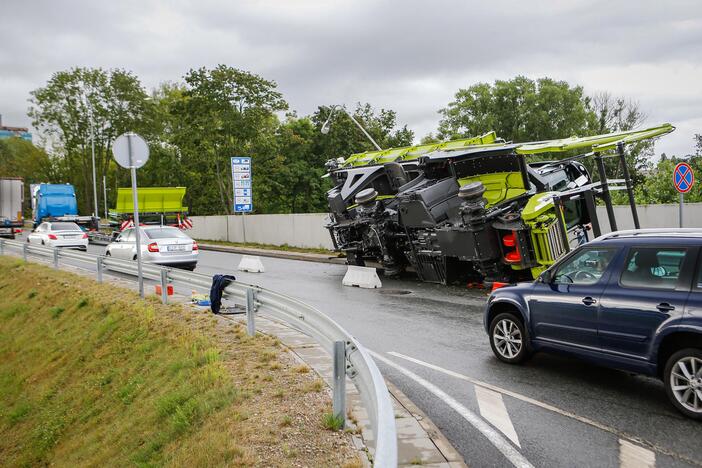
(474, 210)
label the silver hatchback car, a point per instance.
(162, 245)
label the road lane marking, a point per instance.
(493, 409)
(495, 438)
(635, 456)
(546, 406)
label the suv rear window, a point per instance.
(652, 268)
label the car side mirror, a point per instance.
(116, 239)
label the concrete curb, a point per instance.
(284, 254)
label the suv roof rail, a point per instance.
(668, 232)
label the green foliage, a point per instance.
(81, 102)
(519, 109)
(20, 158)
(332, 422)
(657, 186)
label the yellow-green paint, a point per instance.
(408, 153)
(152, 200)
(539, 215)
(499, 186)
(597, 142)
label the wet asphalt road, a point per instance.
(577, 414)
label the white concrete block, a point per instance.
(251, 264)
(363, 277)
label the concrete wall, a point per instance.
(298, 230)
(307, 230)
(652, 216)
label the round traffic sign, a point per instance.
(130, 150)
(683, 177)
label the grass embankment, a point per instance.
(91, 375)
(284, 247)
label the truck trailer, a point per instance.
(161, 206)
(11, 204)
(474, 210)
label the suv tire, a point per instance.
(681, 383)
(508, 339)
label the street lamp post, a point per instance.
(327, 124)
(92, 152)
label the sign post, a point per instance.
(131, 152)
(243, 189)
(683, 179)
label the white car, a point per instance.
(162, 245)
(59, 234)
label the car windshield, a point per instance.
(165, 233)
(64, 227)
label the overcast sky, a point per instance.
(410, 56)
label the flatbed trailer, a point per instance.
(158, 206)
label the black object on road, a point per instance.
(219, 282)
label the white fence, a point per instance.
(307, 230)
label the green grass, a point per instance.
(91, 375)
(284, 247)
(99, 380)
(331, 422)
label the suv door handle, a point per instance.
(665, 307)
(588, 300)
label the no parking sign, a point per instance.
(683, 179)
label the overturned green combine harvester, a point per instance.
(474, 210)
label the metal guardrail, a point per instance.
(358, 364)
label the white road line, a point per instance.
(546, 406)
(495, 438)
(515, 395)
(493, 409)
(635, 456)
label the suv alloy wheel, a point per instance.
(683, 381)
(507, 338)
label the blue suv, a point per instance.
(630, 300)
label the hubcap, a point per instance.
(507, 338)
(686, 383)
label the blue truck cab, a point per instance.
(57, 202)
(630, 300)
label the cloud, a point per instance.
(409, 56)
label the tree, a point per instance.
(20, 158)
(345, 138)
(224, 112)
(80, 100)
(519, 109)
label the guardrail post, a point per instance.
(56, 257)
(164, 286)
(339, 389)
(25, 247)
(99, 269)
(250, 309)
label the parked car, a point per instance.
(630, 300)
(162, 245)
(59, 234)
